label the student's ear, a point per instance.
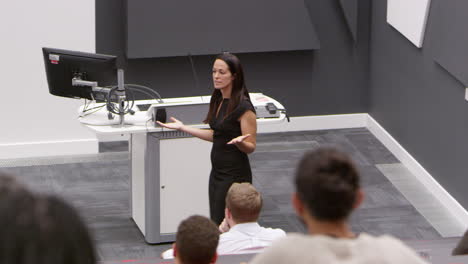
(297, 204)
(215, 257)
(359, 198)
(174, 249)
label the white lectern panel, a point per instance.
(138, 149)
(184, 172)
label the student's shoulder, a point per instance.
(392, 248)
(283, 250)
(274, 231)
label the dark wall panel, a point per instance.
(350, 10)
(331, 80)
(451, 44)
(110, 33)
(417, 101)
(161, 28)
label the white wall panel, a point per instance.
(409, 17)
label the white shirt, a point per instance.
(242, 239)
(247, 238)
(365, 249)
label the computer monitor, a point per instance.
(62, 66)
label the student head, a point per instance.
(243, 203)
(227, 75)
(40, 229)
(196, 241)
(327, 186)
(10, 186)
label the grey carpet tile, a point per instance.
(273, 181)
(422, 199)
(382, 195)
(113, 146)
(280, 146)
(124, 252)
(397, 226)
(370, 176)
(374, 151)
(442, 246)
(53, 160)
(290, 156)
(99, 188)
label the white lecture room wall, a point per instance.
(33, 122)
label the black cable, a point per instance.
(89, 109)
(148, 89)
(111, 108)
(86, 105)
(141, 91)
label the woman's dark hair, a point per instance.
(41, 229)
(239, 90)
(327, 183)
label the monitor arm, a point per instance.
(121, 95)
(120, 92)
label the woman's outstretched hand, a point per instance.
(238, 139)
(176, 124)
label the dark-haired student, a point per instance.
(196, 241)
(233, 129)
(462, 246)
(327, 191)
(40, 229)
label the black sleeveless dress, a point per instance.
(229, 164)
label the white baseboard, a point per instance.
(417, 170)
(304, 123)
(48, 148)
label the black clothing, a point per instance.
(229, 164)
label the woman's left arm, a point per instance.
(248, 141)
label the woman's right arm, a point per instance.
(205, 134)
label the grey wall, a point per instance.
(161, 28)
(417, 101)
(331, 80)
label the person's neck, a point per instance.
(226, 92)
(338, 229)
(231, 222)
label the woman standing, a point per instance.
(233, 129)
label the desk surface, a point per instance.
(140, 122)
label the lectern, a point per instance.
(170, 169)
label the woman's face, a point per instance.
(222, 76)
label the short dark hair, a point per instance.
(244, 202)
(327, 183)
(196, 240)
(40, 229)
